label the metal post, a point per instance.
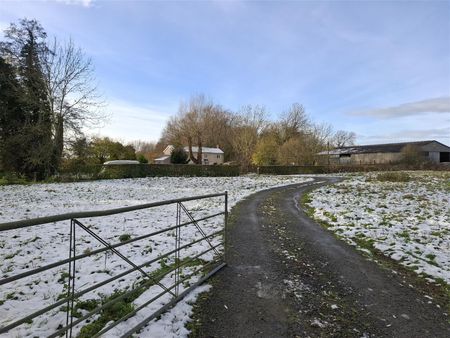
(71, 282)
(225, 226)
(177, 252)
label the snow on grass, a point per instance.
(404, 215)
(33, 247)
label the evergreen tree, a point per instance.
(179, 156)
(12, 120)
(24, 50)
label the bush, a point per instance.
(412, 155)
(179, 156)
(12, 178)
(142, 159)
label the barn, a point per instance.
(432, 151)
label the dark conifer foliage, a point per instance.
(44, 89)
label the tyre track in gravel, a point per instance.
(289, 277)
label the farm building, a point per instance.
(432, 151)
(209, 155)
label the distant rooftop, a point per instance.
(205, 150)
(376, 148)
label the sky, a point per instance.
(378, 68)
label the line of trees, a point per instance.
(248, 136)
(47, 94)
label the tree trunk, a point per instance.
(191, 154)
(59, 140)
(199, 154)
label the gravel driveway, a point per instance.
(289, 277)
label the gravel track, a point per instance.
(289, 277)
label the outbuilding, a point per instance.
(432, 151)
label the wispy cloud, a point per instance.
(130, 121)
(435, 105)
(408, 135)
(83, 3)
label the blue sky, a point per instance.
(378, 68)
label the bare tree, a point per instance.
(412, 154)
(71, 89)
(248, 124)
(143, 147)
(293, 122)
(343, 138)
(198, 122)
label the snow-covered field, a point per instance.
(28, 248)
(407, 221)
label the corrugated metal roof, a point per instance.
(376, 148)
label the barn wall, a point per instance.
(434, 156)
(375, 158)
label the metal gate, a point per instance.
(198, 273)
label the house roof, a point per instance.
(205, 150)
(377, 148)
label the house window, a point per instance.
(218, 156)
(205, 155)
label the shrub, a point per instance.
(124, 237)
(142, 159)
(412, 155)
(179, 156)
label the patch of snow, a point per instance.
(409, 222)
(29, 248)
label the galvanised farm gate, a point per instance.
(175, 272)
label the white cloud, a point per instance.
(84, 3)
(439, 134)
(435, 105)
(129, 121)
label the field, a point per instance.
(404, 215)
(21, 250)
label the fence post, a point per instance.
(71, 282)
(177, 252)
(225, 227)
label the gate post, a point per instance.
(225, 228)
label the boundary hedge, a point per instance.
(324, 169)
(154, 170)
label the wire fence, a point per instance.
(179, 272)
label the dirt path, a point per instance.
(288, 277)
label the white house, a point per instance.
(209, 155)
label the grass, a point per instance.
(11, 255)
(392, 176)
(10, 179)
(124, 237)
(124, 305)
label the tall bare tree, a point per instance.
(71, 89)
(248, 124)
(293, 122)
(199, 122)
